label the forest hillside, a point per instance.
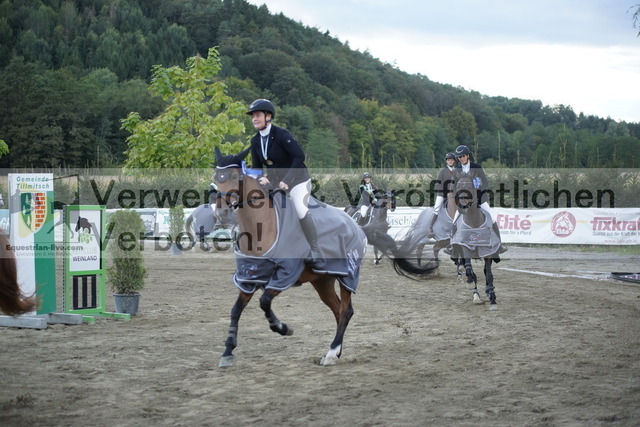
(70, 71)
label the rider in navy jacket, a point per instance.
(480, 182)
(278, 151)
(444, 185)
(283, 157)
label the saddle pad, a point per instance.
(483, 239)
(341, 242)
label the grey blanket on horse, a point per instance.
(204, 220)
(483, 241)
(341, 241)
(441, 228)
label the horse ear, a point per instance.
(241, 155)
(218, 154)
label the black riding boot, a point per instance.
(309, 230)
(503, 248)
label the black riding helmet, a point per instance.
(449, 156)
(262, 105)
(366, 175)
(461, 150)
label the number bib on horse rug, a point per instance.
(341, 241)
(483, 239)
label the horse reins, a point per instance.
(238, 203)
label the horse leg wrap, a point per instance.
(277, 326)
(491, 294)
(232, 338)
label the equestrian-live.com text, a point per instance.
(44, 247)
(43, 250)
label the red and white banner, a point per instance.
(577, 226)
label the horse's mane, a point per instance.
(12, 300)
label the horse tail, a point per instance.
(12, 301)
(400, 256)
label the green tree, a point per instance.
(199, 117)
(636, 17)
(4, 148)
(462, 123)
(323, 149)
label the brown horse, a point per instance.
(473, 237)
(258, 217)
(12, 301)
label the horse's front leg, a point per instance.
(419, 249)
(489, 289)
(376, 258)
(471, 276)
(343, 317)
(274, 323)
(232, 338)
(437, 248)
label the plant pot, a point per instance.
(127, 303)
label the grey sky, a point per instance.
(580, 53)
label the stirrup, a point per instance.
(503, 249)
(448, 250)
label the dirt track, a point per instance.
(559, 350)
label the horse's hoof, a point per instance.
(289, 331)
(493, 307)
(477, 299)
(225, 361)
(332, 356)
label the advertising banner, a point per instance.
(577, 226)
(32, 236)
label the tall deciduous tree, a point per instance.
(463, 124)
(199, 117)
(323, 149)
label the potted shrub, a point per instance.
(176, 228)
(125, 272)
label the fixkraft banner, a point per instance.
(578, 226)
(587, 226)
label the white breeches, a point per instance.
(300, 198)
(438, 204)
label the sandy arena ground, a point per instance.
(562, 349)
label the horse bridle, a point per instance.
(464, 192)
(236, 194)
